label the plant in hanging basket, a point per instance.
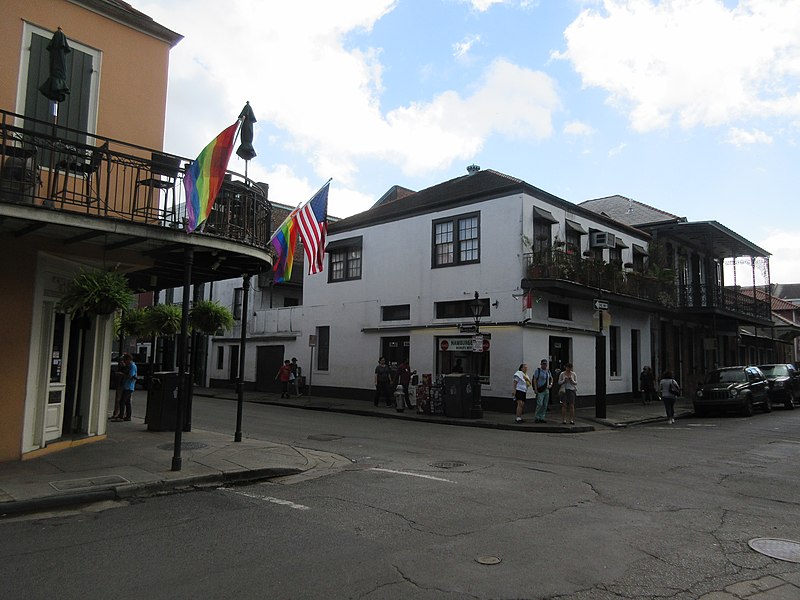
(163, 320)
(96, 292)
(209, 317)
(132, 323)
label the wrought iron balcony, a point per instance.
(555, 264)
(655, 285)
(55, 168)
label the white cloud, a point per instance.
(462, 48)
(617, 149)
(694, 61)
(292, 62)
(784, 264)
(740, 137)
(578, 128)
(484, 5)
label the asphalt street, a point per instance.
(650, 511)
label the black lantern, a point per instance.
(476, 306)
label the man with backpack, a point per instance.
(543, 381)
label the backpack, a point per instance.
(541, 388)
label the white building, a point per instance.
(400, 277)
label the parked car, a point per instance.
(784, 383)
(733, 388)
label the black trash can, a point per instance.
(457, 396)
(162, 401)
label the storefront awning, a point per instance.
(576, 227)
(543, 214)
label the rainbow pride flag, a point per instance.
(205, 175)
(284, 241)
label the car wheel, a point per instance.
(747, 409)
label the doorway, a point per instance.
(233, 371)
(268, 360)
(57, 344)
(560, 352)
(635, 362)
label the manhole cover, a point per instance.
(184, 446)
(448, 464)
(325, 437)
(488, 560)
(781, 549)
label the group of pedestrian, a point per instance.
(289, 376)
(540, 387)
(566, 383)
(386, 381)
(668, 390)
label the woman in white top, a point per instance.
(568, 381)
(521, 384)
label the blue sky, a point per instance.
(691, 106)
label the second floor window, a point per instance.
(345, 259)
(238, 297)
(79, 109)
(398, 312)
(542, 229)
(456, 241)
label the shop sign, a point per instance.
(464, 344)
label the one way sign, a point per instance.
(600, 304)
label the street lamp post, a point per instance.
(476, 307)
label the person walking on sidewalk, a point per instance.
(521, 384)
(383, 379)
(670, 390)
(647, 383)
(295, 379)
(128, 385)
(404, 379)
(543, 380)
(567, 392)
(284, 375)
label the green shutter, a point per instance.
(74, 111)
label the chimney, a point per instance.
(472, 169)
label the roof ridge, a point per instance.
(643, 204)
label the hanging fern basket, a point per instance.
(96, 292)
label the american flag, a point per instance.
(312, 222)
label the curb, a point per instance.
(143, 490)
(420, 419)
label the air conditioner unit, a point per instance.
(602, 239)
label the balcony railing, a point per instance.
(609, 277)
(732, 299)
(657, 286)
(55, 168)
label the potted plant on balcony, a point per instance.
(96, 292)
(209, 317)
